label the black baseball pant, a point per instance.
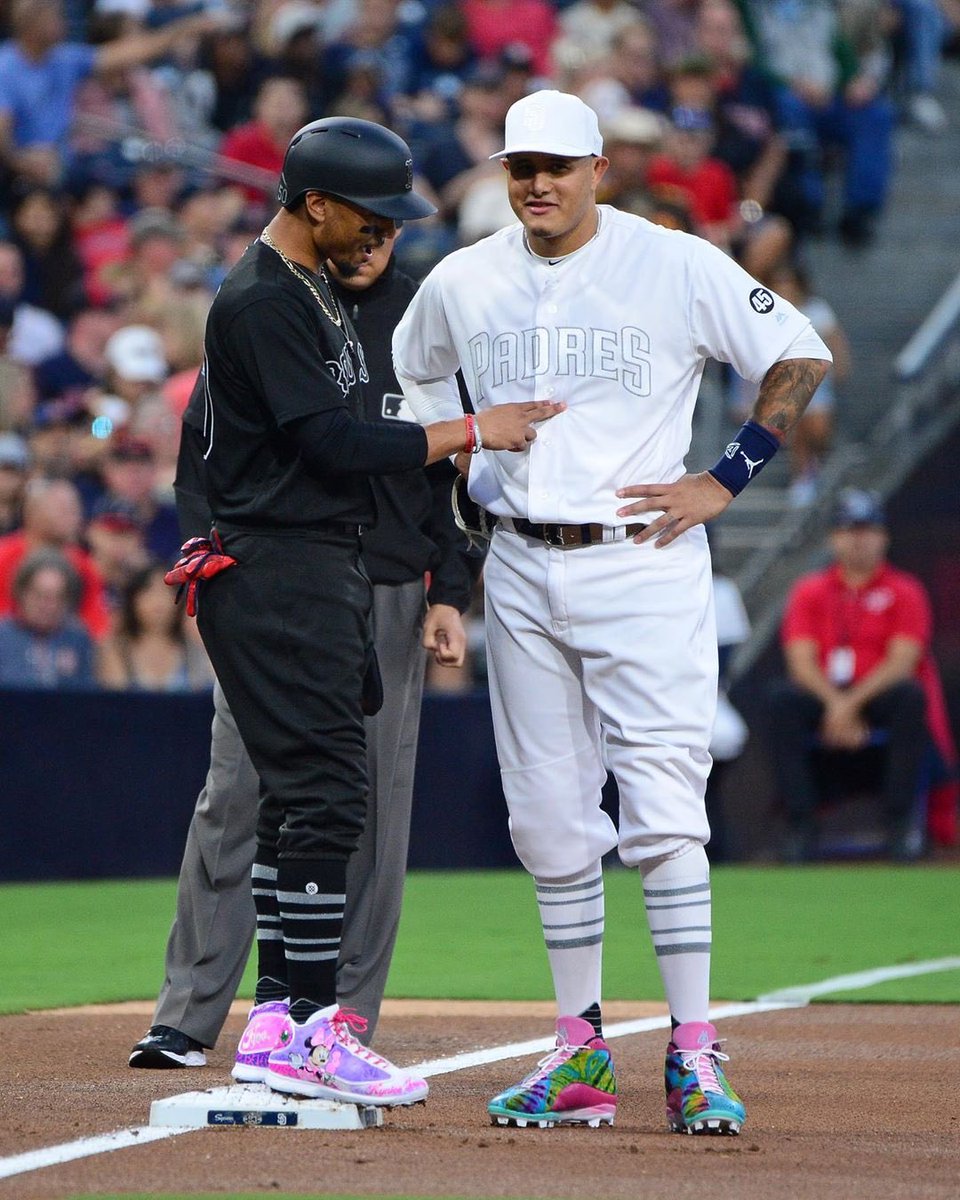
(287, 631)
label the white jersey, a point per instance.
(620, 330)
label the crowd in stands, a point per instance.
(140, 144)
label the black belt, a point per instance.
(316, 532)
(567, 537)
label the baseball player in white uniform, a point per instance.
(599, 614)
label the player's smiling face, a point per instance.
(555, 198)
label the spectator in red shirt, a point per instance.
(52, 520)
(856, 639)
(278, 112)
(705, 183)
(493, 25)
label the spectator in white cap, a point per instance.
(136, 362)
(630, 138)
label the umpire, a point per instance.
(287, 459)
(415, 534)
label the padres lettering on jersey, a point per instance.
(620, 330)
(619, 355)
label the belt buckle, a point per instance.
(561, 537)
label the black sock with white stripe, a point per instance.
(676, 894)
(571, 912)
(271, 964)
(311, 895)
(595, 1017)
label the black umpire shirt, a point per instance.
(414, 531)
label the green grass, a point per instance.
(476, 935)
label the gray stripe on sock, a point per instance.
(682, 948)
(680, 891)
(573, 942)
(569, 887)
(578, 900)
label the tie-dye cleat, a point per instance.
(574, 1084)
(699, 1098)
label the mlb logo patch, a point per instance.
(395, 408)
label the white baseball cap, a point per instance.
(136, 353)
(550, 122)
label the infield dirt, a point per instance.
(854, 1102)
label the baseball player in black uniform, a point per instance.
(215, 921)
(284, 604)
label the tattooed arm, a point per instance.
(784, 393)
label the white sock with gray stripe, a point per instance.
(571, 912)
(676, 894)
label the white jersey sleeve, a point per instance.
(735, 319)
(424, 349)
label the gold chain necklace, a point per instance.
(334, 314)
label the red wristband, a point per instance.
(471, 423)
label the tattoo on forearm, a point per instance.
(785, 392)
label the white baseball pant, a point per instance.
(603, 653)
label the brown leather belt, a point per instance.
(568, 537)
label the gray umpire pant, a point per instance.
(215, 920)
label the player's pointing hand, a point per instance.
(691, 500)
(511, 426)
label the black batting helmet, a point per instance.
(352, 160)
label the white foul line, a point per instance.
(792, 997)
(476, 1058)
(19, 1164)
(861, 979)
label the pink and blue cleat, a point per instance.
(573, 1085)
(322, 1059)
(261, 1036)
(699, 1098)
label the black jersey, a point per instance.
(272, 356)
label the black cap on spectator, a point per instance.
(487, 74)
(125, 448)
(516, 56)
(119, 516)
(68, 409)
